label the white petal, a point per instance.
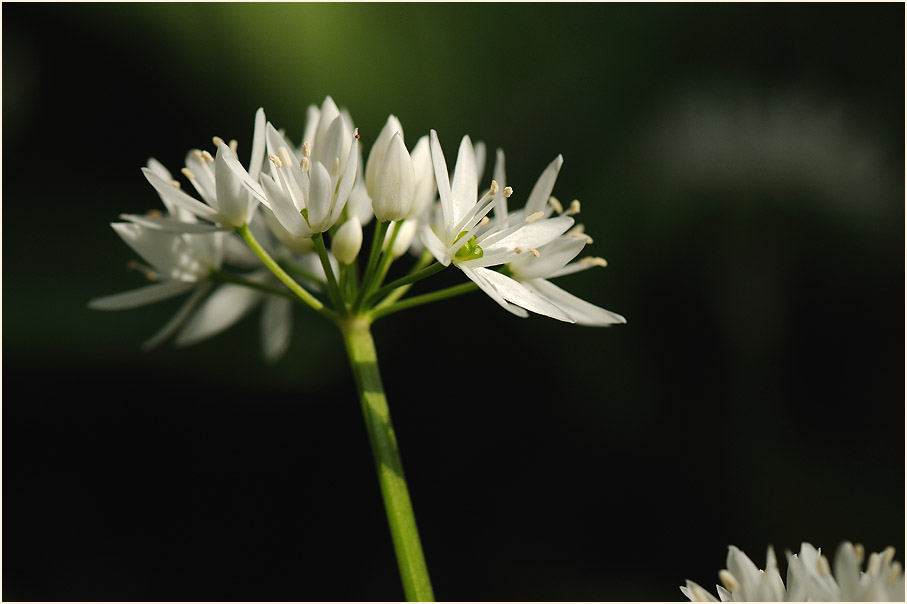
(284, 209)
(379, 149)
(514, 291)
(170, 327)
(488, 288)
(170, 224)
(346, 181)
(329, 112)
(479, 152)
(227, 305)
(581, 311)
(159, 169)
(541, 192)
(313, 113)
(171, 195)
(433, 244)
(318, 202)
(464, 186)
(257, 158)
(335, 143)
(533, 235)
(232, 198)
(276, 141)
(552, 258)
(425, 178)
(500, 175)
(276, 327)
(142, 296)
(443, 181)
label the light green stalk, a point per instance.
(364, 361)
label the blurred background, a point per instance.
(740, 166)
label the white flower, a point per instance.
(395, 182)
(307, 192)
(809, 578)
(461, 235)
(347, 241)
(218, 180)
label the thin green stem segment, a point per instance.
(400, 291)
(410, 278)
(387, 257)
(333, 288)
(287, 280)
(374, 253)
(364, 361)
(450, 292)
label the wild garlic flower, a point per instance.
(809, 578)
(219, 180)
(464, 236)
(308, 191)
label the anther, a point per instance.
(730, 583)
(285, 159)
(304, 164)
(154, 214)
(207, 157)
(860, 552)
(508, 191)
(574, 208)
(217, 141)
(275, 160)
(175, 183)
(558, 207)
(518, 250)
(485, 220)
(594, 261)
(188, 173)
(233, 145)
(533, 217)
(197, 156)
(534, 252)
(306, 149)
(494, 188)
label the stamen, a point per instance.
(534, 252)
(730, 583)
(207, 157)
(197, 156)
(888, 555)
(578, 232)
(175, 183)
(304, 164)
(574, 208)
(558, 207)
(533, 217)
(508, 191)
(188, 173)
(494, 188)
(275, 160)
(860, 552)
(154, 214)
(518, 250)
(875, 565)
(217, 141)
(485, 220)
(233, 145)
(594, 261)
(306, 149)
(285, 158)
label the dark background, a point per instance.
(740, 166)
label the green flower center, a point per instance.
(470, 250)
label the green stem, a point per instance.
(450, 292)
(398, 293)
(410, 278)
(333, 288)
(374, 253)
(387, 257)
(364, 362)
(222, 277)
(287, 280)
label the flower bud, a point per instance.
(347, 241)
(379, 149)
(404, 239)
(395, 183)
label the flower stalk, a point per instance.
(360, 348)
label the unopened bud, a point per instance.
(347, 241)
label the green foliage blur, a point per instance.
(740, 166)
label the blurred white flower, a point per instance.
(218, 180)
(809, 578)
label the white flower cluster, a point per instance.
(289, 197)
(809, 578)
